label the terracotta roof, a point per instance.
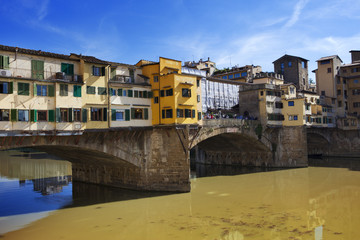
(329, 58)
(286, 55)
(33, 52)
(89, 59)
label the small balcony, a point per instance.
(122, 79)
(40, 75)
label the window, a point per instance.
(307, 106)
(344, 81)
(236, 75)
(90, 90)
(199, 115)
(244, 74)
(124, 93)
(354, 70)
(303, 64)
(224, 77)
(98, 114)
(282, 68)
(270, 104)
(344, 71)
(4, 114)
(37, 69)
(120, 92)
(261, 93)
(356, 81)
(198, 98)
(187, 113)
(167, 113)
(67, 68)
(339, 104)
(117, 115)
(356, 91)
(291, 103)
(140, 94)
(323, 93)
(186, 92)
(156, 99)
(41, 115)
(130, 92)
(293, 117)
(180, 113)
(136, 93)
(279, 105)
(198, 83)
(77, 114)
(41, 90)
(329, 70)
(292, 90)
(64, 115)
(23, 115)
(4, 62)
(275, 117)
(23, 88)
(101, 91)
(63, 90)
(356, 104)
(289, 64)
(169, 92)
(77, 91)
(156, 78)
(4, 87)
(231, 76)
(112, 92)
(98, 71)
(339, 92)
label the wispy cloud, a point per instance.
(296, 13)
(43, 9)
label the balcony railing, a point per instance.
(122, 79)
(40, 75)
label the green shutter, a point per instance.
(130, 93)
(132, 113)
(37, 69)
(51, 114)
(146, 113)
(105, 113)
(113, 115)
(84, 115)
(6, 62)
(111, 92)
(35, 89)
(162, 93)
(193, 114)
(77, 91)
(64, 67)
(150, 94)
(120, 92)
(145, 94)
(127, 115)
(58, 115)
(51, 91)
(70, 115)
(2, 58)
(33, 115)
(13, 115)
(199, 115)
(11, 87)
(71, 69)
(163, 113)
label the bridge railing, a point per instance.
(226, 122)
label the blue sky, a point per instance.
(232, 32)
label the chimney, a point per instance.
(355, 56)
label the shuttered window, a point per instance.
(37, 69)
(23, 88)
(101, 91)
(90, 90)
(4, 62)
(77, 91)
(63, 89)
(67, 68)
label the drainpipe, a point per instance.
(109, 96)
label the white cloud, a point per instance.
(43, 10)
(296, 13)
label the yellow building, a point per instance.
(175, 95)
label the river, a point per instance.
(39, 200)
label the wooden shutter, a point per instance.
(64, 67)
(58, 115)
(162, 93)
(145, 94)
(35, 89)
(132, 113)
(33, 115)
(193, 114)
(163, 113)
(51, 91)
(6, 62)
(70, 112)
(102, 71)
(51, 114)
(120, 92)
(105, 114)
(11, 87)
(146, 113)
(71, 69)
(127, 115)
(84, 115)
(130, 93)
(150, 94)
(13, 115)
(113, 114)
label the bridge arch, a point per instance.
(317, 143)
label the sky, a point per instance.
(230, 32)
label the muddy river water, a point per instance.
(39, 201)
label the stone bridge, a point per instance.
(157, 158)
(333, 142)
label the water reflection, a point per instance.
(336, 162)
